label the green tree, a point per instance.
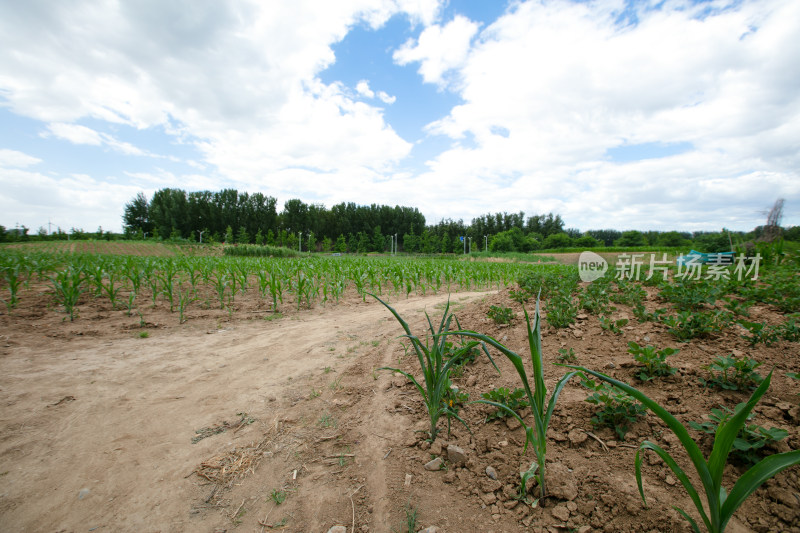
(242, 237)
(229, 235)
(557, 240)
(137, 216)
(259, 238)
(631, 238)
(341, 244)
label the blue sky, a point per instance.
(616, 114)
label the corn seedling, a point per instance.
(537, 396)
(69, 285)
(435, 366)
(720, 503)
(654, 363)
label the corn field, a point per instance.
(130, 282)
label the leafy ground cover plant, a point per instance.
(654, 363)
(614, 326)
(561, 310)
(760, 332)
(514, 400)
(720, 503)
(565, 355)
(501, 315)
(541, 409)
(687, 325)
(733, 373)
(435, 366)
(617, 409)
(751, 439)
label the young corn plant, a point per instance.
(720, 503)
(69, 285)
(537, 396)
(435, 364)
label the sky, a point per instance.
(625, 114)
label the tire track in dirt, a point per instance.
(386, 472)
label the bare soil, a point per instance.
(206, 425)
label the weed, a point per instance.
(617, 410)
(273, 316)
(513, 400)
(654, 363)
(278, 496)
(751, 438)
(759, 332)
(144, 334)
(411, 518)
(614, 326)
(567, 356)
(314, 394)
(500, 315)
(336, 384)
(687, 325)
(733, 373)
(561, 311)
(327, 370)
(327, 421)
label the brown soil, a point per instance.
(97, 423)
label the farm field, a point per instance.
(196, 405)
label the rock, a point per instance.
(472, 380)
(490, 485)
(449, 477)
(434, 464)
(491, 472)
(561, 482)
(410, 441)
(430, 529)
(456, 455)
(581, 316)
(407, 482)
(338, 529)
(436, 448)
(560, 512)
(671, 481)
(577, 437)
(512, 423)
(83, 493)
(489, 498)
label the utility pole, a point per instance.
(485, 243)
(201, 236)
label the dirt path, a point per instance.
(97, 432)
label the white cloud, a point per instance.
(77, 134)
(386, 98)
(568, 83)
(15, 159)
(439, 49)
(363, 89)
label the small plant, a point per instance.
(751, 437)
(520, 296)
(144, 334)
(618, 409)
(654, 363)
(790, 330)
(566, 356)
(336, 384)
(501, 315)
(273, 316)
(687, 325)
(513, 401)
(327, 421)
(759, 332)
(721, 504)
(733, 373)
(561, 311)
(314, 394)
(69, 285)
(541, 409)
(278, 496)
(614, 326)
(737, 307)
(411, 518)
(435, 365)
